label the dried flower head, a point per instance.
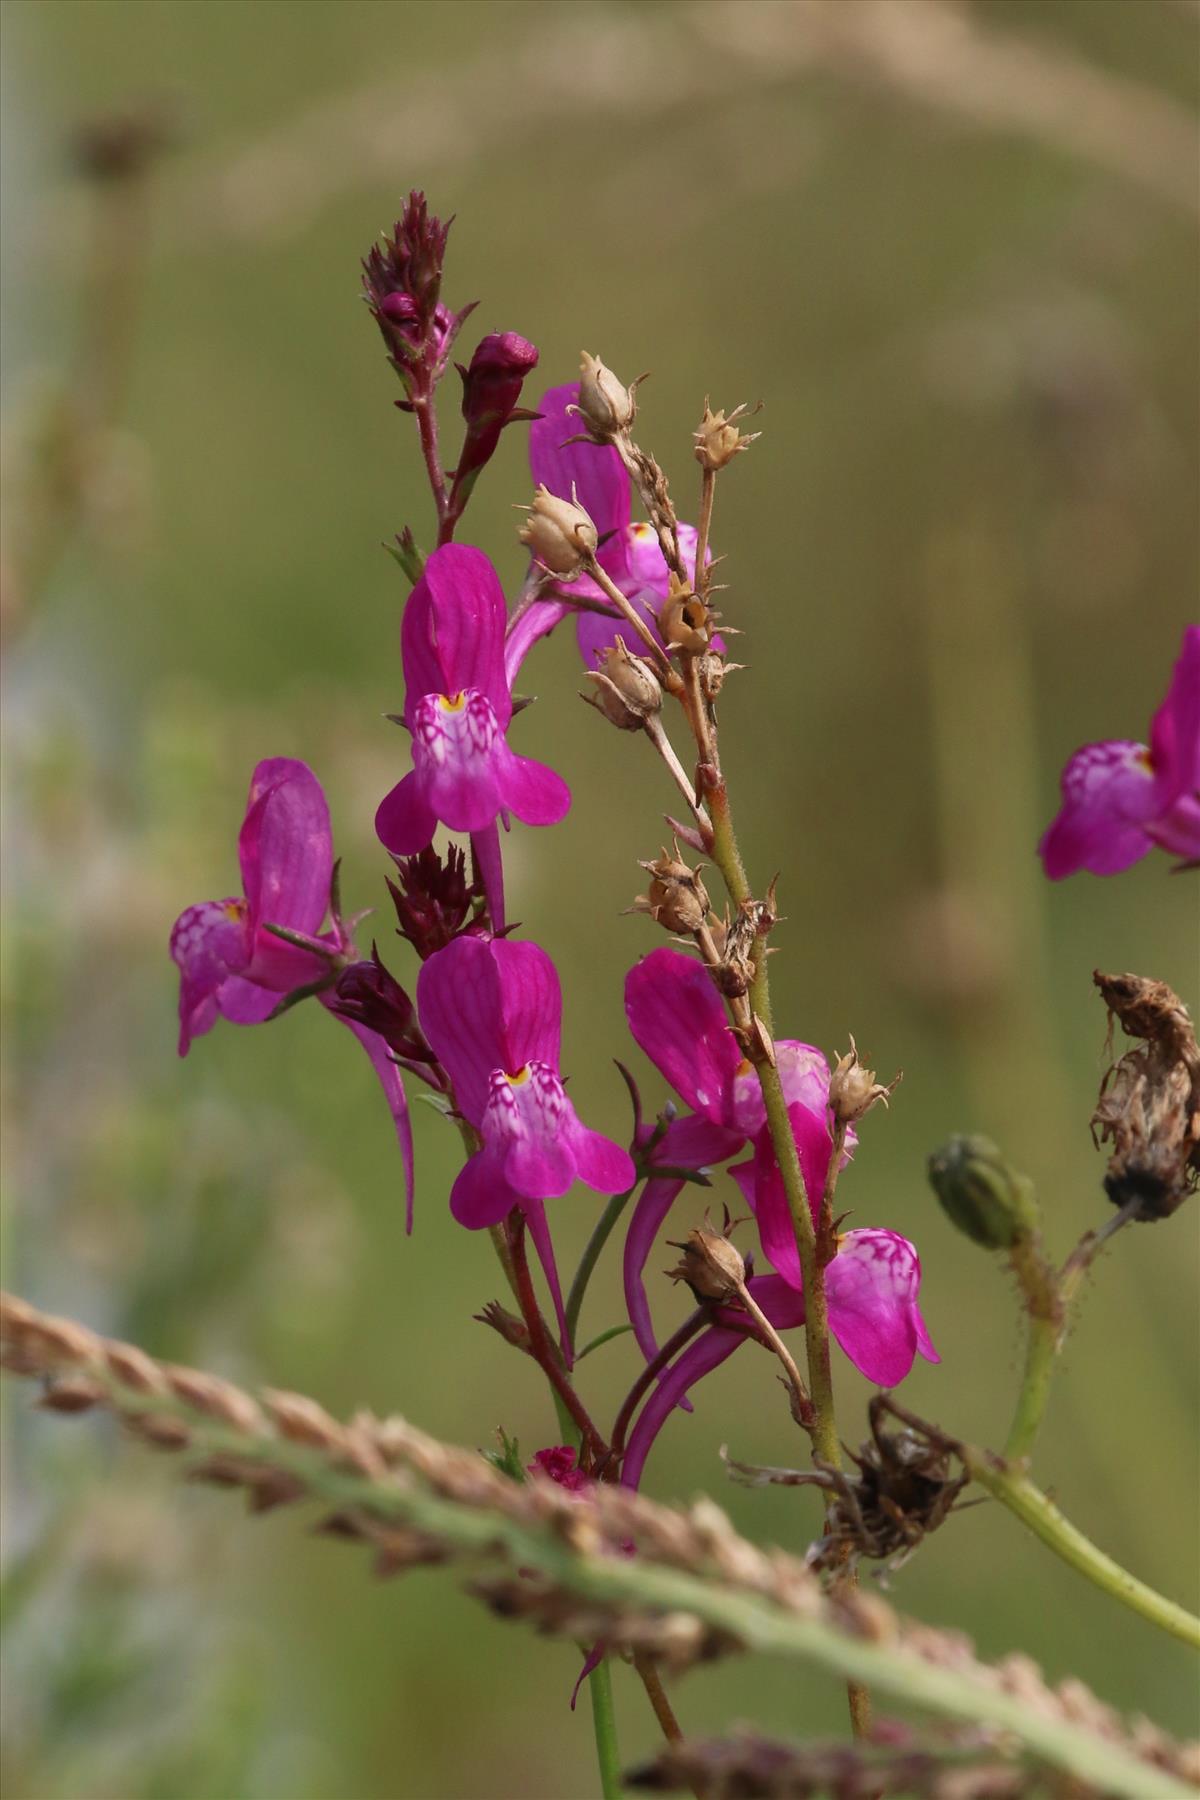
(718, 440)
(907, 1483)
(684, 620)
(627, 689)
(712, 1266)
(853, 1089)
(1149, 1105)
(605, 404)
(677, 899)
(560, 535)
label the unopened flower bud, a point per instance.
(627, 689)
(983, 1194)
(560, 535)
(684, 619)
(605, 404)
(491, 390)
(677, 899)
(718, 440)
(712, 1267)
(367, 994)
(853, 1089)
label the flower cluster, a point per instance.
(482, 1024)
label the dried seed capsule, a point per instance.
(605, 404)
(559, 533)
(627, 689)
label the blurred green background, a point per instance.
(953, 248)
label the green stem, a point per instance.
(1040, 1354)
(816, 1312)
(604, 1725)
(587, 1262)
(1035, 1509)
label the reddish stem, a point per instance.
(541, 1348)
(427, 428)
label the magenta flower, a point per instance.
(630, 557)
(492, 1011)
(1122, 799)
(457, 706)
(232, 966)
(677, 1018)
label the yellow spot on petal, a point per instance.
(452, 703)
(519, 1079)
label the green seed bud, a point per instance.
(983, 1194)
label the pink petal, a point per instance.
(209, 943)
(698, 1359)
(393, 1090)
(539, 1232)
(286, 846)
(591, 1662)
(245, 1003)
(1178, 831)
(872, 1286)
(531, 791)
(649, 1213)
(596, 632)
(536, 622)
(405, 822)
(694, 1142)
(1108, 797)
(480, 1196)
(489, 864)
(487, 1004)
(599, 1162)
(530, 1003)
(676, 1015)
(452, 634)
(1175, 732)
(762, 1185)
(458, 1004)
(541, 1167)
(595, 470)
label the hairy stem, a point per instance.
(816, 1312)
(1020, 1495)
(425, 412)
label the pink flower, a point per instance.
(631, 557)
(458, 706)
(232, 966)
(677, 1018)
(492, 1011)
(1121, 799)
